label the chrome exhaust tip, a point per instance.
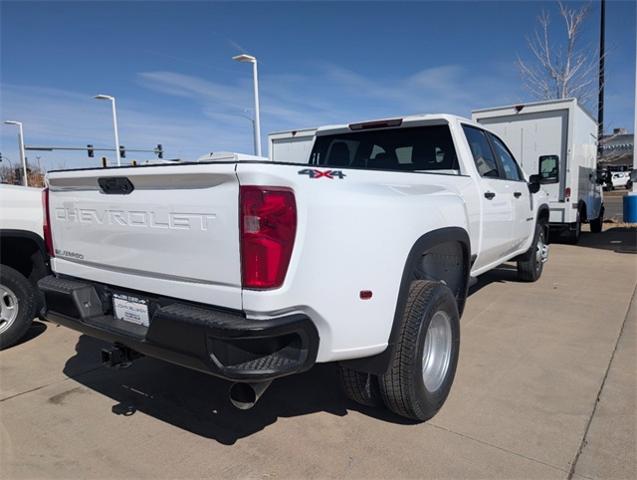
(244, 396)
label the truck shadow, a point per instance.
(198, 403)
(617, 239)
(36, 329)
(503, 274)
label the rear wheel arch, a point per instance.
(543, 218)
(442, 255)
(543, 213)
(24, 251)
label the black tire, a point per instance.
(403, 387)
(574, 235)
(530, 266)
(597, 223)
(15, 292)
(360, 387)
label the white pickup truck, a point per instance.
(361, 254)
(23, 260)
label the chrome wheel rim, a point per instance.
(436, 354)
(8, 308)
(541, 252)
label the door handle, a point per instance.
(489, 195)
(517, 194)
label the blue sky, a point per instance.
(169, 66)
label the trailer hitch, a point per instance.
(119, 356)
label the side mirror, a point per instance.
(534, 183)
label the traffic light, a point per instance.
(90, 150)
(160, 151)
(122, 151)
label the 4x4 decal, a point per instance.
(315, 173)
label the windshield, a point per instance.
(410, 149)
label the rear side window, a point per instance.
(410, 149)
(509, 165)
(481, 150)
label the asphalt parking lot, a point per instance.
(546, 388)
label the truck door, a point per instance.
(496, 199)
(523, 219)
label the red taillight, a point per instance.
(46, 222)
(268, 227)
(567, 192)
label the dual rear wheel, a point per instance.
(423, 361)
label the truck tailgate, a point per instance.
(175, 234)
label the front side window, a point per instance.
(410, 149)
(481, 150)
(509, 165)
(549, 168)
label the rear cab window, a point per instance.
(410, 149)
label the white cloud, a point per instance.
(62, 118)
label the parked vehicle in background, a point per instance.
(558, 140)
(291, 145)
(620, 179)
(23, 260)
(360, 252)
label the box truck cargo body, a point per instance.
(292, 146)
(558, 140)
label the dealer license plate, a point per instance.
(130, 309)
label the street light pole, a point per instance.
(112, 99)
(23, 157)
(257, 122)
(255, 79)
(600, 97)
(251, 118)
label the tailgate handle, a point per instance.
(115, 185)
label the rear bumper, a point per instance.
(216, 341)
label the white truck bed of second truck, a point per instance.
(254, 270)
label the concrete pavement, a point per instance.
(545, 389)
(610, 443)
(614, 205)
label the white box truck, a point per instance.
(556, 139)
(291, 146)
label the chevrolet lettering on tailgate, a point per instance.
(136, 218)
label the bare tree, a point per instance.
(562, 68)
(13, 176)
